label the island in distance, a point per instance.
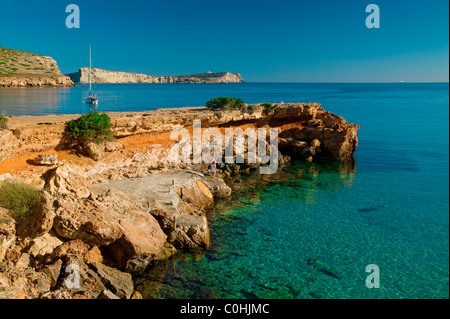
(104, 76)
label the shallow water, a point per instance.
(309, 231)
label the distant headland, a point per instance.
(26, 69)
(104, 76)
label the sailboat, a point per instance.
(91, 99)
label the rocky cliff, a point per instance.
(129, 204)
(25, 69)
(104, 76)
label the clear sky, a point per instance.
(276, 40)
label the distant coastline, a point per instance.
(105, 76)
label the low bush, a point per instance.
(225, 103)
(3, 123)
(19, 198)
(250, 108)
(269, 107)
(89, 127)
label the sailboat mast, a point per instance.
(90, 66)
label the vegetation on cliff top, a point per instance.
(269, 107)
(231, 103)
(3, 123)
(89, 127)
(15, 62)
(225, 103)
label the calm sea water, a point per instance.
(309, 231)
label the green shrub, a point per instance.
(19, 198)
(89, 127)
(249, 108)
(269, 107)
(3, 123)
(225, 103)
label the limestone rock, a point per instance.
(25, 261)
(94, 150)
(97, 151)
(299, 145)
(53, 271)
(7, 232)
(67, 179)
(87, 220)
(46, 159)
(36, 81)
(196, 194)
(191, 231)
(315, 143)
(142, 237)
(120, 283)
(107, 294)
(32, 282)
(12, 293)
(78, 275)
(67, 249)
(314, 123)
(104, 76)
(43, 245)
(8, 142)
(66, 294)
(218, 188)
(40, 221)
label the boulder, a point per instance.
(68, 249)
(54, 271)
(24, 261)
(46, 159)
(94, 150)
(97, 151)
(31, 282)
(78, 275)
(283, 143)
(197, 194)
(87, 220)
(299, 145)
(43, 245)
(315, 143)
(113, 146)
(191, 232)
(67, 179)
(142, 237)
(119, 283)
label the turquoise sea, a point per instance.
(310, 230)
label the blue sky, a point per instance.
(287, 41)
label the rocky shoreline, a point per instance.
(36, 81)
(120, 207)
